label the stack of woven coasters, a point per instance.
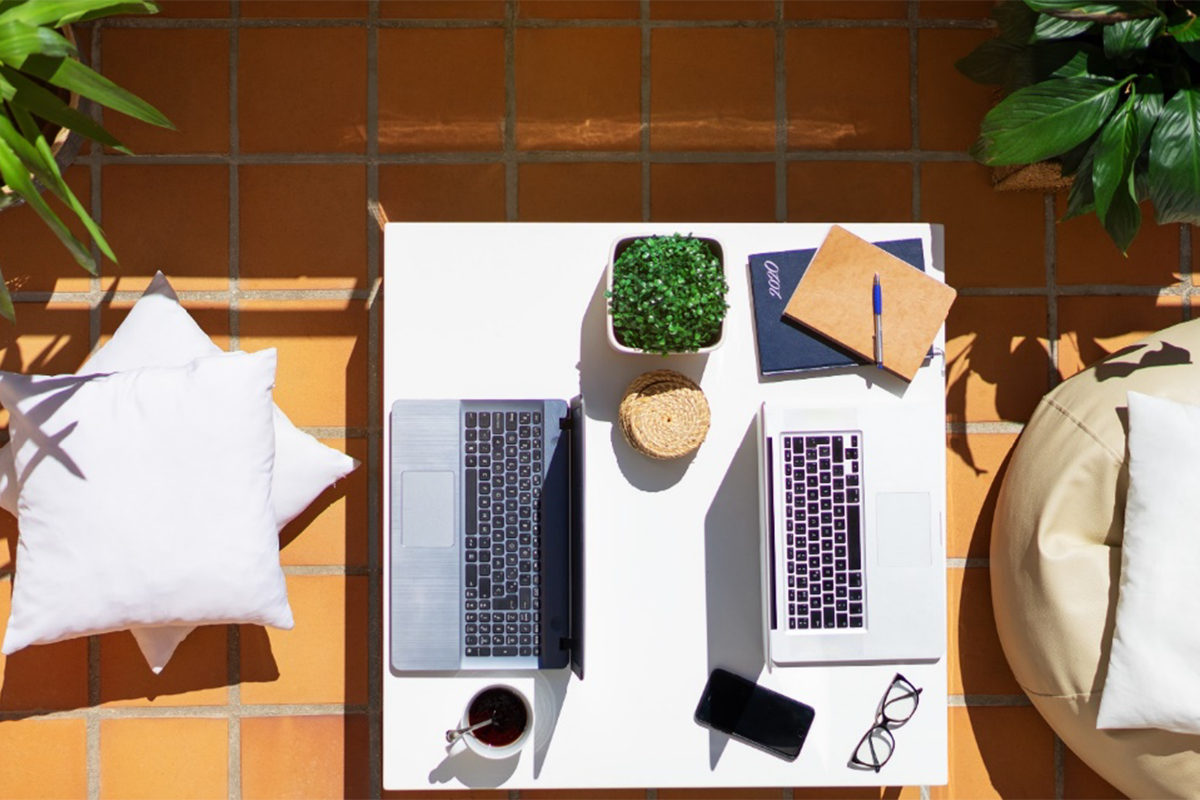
(664, 414)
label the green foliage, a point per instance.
(1109, 89)
(668, 295)
(35, 60)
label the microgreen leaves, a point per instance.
(668, 294)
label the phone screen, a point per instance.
(755, 715)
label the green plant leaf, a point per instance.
(1175, 160)
(1124, 217)
(1116, 150)
(18, 41)
(1049, 28)
(1124, 38)
(1046, 119)
(18, 180)
(1082, 198)
(6, 303)
(58, 185)
(57, 13)
(73, 76)
(991, 63)
(1064, 59)
(1015, 20)
(50, 107)
(23, 149)
(1148, 105)
(1097, 10)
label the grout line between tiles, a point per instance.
(230, 711)
(909, 155)
(235, 229)
(509, 157)
(914, 106)
(920, 22)
(1052, 292)
(374, 416)
(1059, 769)
(1186, 277)
(645, 90)
(233, 636)
(781, 116)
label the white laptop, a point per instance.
(852, 513)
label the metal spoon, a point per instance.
(454, 735)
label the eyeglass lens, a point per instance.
(875, 748)
(900, 701)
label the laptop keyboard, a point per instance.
(503, 468)
(822, 475)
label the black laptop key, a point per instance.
(504, 651)
(854, 540)
(828, 618)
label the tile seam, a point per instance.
(1052, 291)
(94, 296)
(1059, 769)
(451, 23)
(226, 711)
(509, 156)
(781, 116)
(645, 97)
(522, 156)
(374, 415)
(914, 107)
(233, 638)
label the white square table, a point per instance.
(517, 310)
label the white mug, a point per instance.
(481, 746)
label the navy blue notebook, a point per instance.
(783, 345)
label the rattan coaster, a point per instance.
(664, 414)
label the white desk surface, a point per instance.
(517, 310)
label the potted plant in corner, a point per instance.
(666, 294)
(40, 70)
(1109, 90)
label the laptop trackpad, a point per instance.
(902, 529)
(427, 509)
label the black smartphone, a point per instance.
(755, 715)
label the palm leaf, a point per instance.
(18, 180)
(51, 108)
(69, 74)
(6, 303)
(18, 41)
(57, 13)
(63, 192)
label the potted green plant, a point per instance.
(1109, 90)
(666, 294)
(40, 71)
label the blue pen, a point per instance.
(877, 298)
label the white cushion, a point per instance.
(1152, 680)
(158, 332)
(145, 499)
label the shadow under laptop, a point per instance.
(605, 373)
(733, 593)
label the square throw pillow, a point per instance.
(1152, 681)
(145, 499)
(158, 332)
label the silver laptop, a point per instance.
(852, 503)
(486, 535)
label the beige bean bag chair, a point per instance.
(1056, 558)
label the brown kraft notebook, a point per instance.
(834, 298)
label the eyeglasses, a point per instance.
(899, 703)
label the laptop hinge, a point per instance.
(565, 643)
(566, 423)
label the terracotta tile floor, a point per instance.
(304, 123)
